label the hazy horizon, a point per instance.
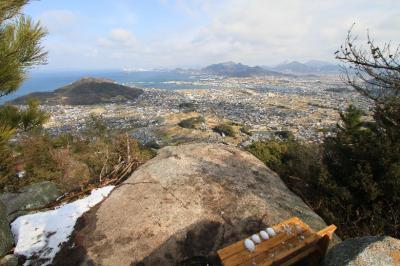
(45, 69)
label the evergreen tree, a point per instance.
(353, 178)
(20, 49)
(363, 158)
(20, 45)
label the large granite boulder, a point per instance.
(6, 237)
(30, 197)
(187, 202)
(365, 251)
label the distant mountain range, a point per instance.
(89, 91)
(86, 91)
(231, 69)
(310, 67)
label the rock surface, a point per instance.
(9, 260)
(365, 251)
(6, 238)
(187, 202)
(33, 196)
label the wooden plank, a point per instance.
(282, 256)
(283, 249)
(244, 255)
(326, 236)
(309, 245)
(239, 246)
(327, 231)
(299, 256)
(271, 255)
(292, 250)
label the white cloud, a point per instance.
(259, 32)
(123, 36)
(267, 32)
(119, 38)
(59, 21)
(194, 8)
(270, 31)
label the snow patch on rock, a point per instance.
(39, 236)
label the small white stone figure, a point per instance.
(271, 232)
(249, 245)
(256, 239)
(264, 235)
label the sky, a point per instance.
(118, 34)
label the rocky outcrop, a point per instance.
(13, 205)
(187, 202)
(30, 197)
(6, 238)
(365, 251)
(9, 260)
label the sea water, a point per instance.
(40, 81)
